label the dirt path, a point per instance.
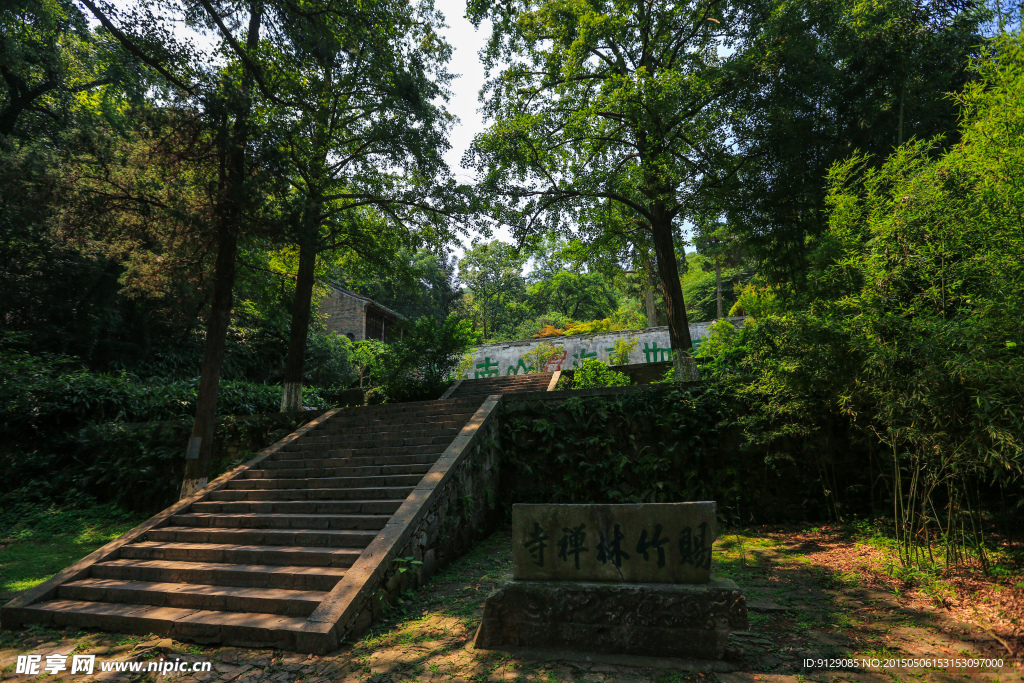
(812, 596)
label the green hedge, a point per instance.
(137, 466)
(660, 443)
(44, 396)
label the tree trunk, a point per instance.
(652, 315)
(675, 308)
(718, 287)
(200, 447)
(295, 364)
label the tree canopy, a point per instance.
(620, 102)
(847, 176)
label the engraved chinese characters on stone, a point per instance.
(644, 543)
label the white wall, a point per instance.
(652, 346)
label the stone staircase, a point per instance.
(509, 384)
(248, 562)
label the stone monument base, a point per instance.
(651, 619)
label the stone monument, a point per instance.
(623, 579)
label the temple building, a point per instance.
(359, 317)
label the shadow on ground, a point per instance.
(801, 614)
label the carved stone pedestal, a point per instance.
(660, 620)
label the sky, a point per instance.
(466, 42)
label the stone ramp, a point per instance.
(509, 384)
(249, 558)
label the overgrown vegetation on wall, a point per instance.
(663, 443)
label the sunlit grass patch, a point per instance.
(741, 549)
(40, 541)
(457, 592)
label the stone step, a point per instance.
(220, 574)
(483, 393)
(478, 389)
(363, 452)
(469, 389)
(507, 380)
(389, 492)
(448, 405)
(321, 538)
(247, 629)
(346, 472)
(256, 520)
(226, 553)
(441, 426)
(396, 431)
(395, 436)
(247, 564)
(302, 507)
(196, 596)
(319, 460)
(347, 441)
(411, 407)
(324, 482)
(371, 447)
(411, 421)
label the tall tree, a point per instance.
(723, 249)
(620, 101)
(833, 78)
(622, 243)
(64, 88)
(492, 271)
(362, 149)
(416, 284)
(48, 58)
(225, 95)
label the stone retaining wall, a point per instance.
(651, 345)
(455, 505)
(466, 510)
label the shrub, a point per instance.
(658, 444)
(41, 396)
(417, 366)
(621, 350)
(538, 359)
(593, 374)
(138, 466)
(549, 331)
(723, 342)
(329, 361)
(592, 327)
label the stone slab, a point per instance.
(657, 620)
(643, 543)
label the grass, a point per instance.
(739, 550)
(39, 541)
(429, 631)
(457, 591)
